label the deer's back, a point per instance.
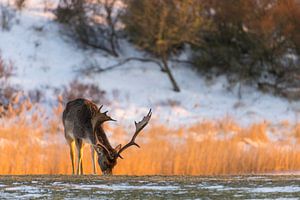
(77, 119)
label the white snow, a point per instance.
(45, 59)
(279, 189)
(212, 187)
(82, 190)
(27, 192)
(117, 187)
(265, 189)
(23, 188)
(130, 187)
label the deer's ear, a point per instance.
(117, 148)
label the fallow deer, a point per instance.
(82, 121)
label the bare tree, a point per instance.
(94, 23)
(163, 27)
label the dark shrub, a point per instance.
(77, 89)
(93, 23)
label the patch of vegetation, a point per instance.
(20, 4)
(92, 23)
(7, 15)
(77, 89)
(252, 47)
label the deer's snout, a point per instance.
(107, 172)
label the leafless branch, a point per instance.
(96, 69)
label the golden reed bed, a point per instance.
(32, 143)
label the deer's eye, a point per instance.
(98, 149)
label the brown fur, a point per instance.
(82, 120)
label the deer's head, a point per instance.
(107, 159)
(107, 156)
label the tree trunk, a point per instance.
(113, 46)
(171, 77)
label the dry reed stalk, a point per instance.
(32, 144)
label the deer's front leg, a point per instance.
(93, 160)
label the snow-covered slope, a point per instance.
(45, 58)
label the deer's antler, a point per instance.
(138, 127)
(105, 116)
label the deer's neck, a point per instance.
(102, 137)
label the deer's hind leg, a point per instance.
(72, 155)
(71, 143)
(79, 148)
